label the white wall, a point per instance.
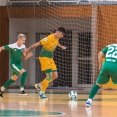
(3, 2)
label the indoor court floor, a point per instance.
(58, 104)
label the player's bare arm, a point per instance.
(100, 56)
(27, 55)
(2, 48)
(32, 47)
(61, 46)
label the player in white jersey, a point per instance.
(16, 53)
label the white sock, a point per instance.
(21, 88)
(2, 88)
(39, 85)
(89, 100)
(41, 92)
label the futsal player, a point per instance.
(16, 53)
(48, 65)
(107, 70)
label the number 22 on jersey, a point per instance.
(112, 52)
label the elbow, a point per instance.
(101, 54)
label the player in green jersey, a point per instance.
(16, 53)
(107, 70)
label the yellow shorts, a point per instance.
(47, 64)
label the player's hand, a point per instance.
(64, 48)
(28, 55)
(26, 51)
(100, 67)
(0, 49)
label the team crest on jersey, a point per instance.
(45, 39)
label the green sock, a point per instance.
(93, 91)
(8, 83)
(23, 78)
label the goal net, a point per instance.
(90, 26)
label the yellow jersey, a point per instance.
(49, 44)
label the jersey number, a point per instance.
(112, 52)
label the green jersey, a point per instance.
(109, 68)
(15, 53)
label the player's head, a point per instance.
(21, 38)
(60, 32)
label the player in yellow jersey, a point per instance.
(49, 44)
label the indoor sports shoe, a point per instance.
(88, 103)
(22, 93)
(1, 96)
(42, 96)
(38, 87)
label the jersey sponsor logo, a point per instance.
(110, 60)
(45, 39)
(14, 49)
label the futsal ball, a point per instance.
(72, 95)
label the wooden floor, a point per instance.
(57, 104)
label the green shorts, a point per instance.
(105, 75)
(16, 68)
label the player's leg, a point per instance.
(15, 73)
(50, 76)
(44, 84)
(23, 80)
(113, 75)
(18, 70)
(7, 84)
(92, 93)
(41, 87)
(103, 78)
(54, 75)
(46, 67)
(54, 70)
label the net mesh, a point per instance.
(89, 28)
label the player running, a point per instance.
(16, 53)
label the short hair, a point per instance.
(21, 36)
(61, 29)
